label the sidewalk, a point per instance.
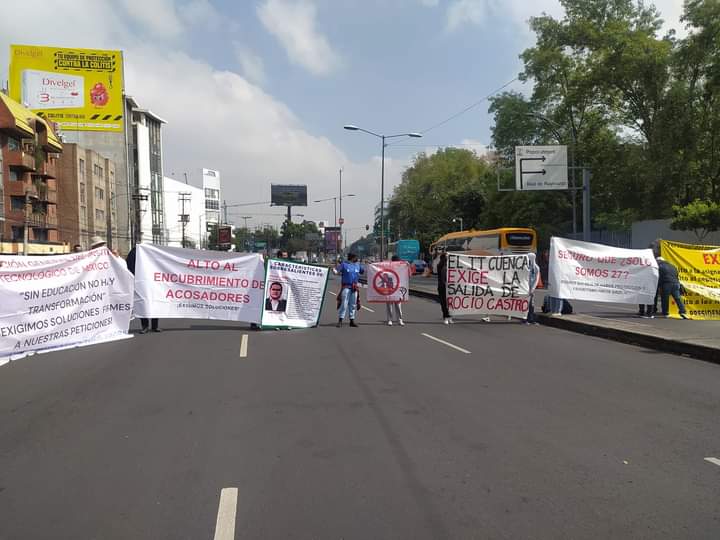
(620, 322)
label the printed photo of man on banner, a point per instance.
(494, 285)
(294, 294)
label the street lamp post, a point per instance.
(351, 127)
(461, 222)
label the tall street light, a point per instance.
(351, 127)
(461, 222)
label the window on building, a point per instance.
(99, 194)
(99, 215)
(17, 203)
(14, 176)
(13, 144)
(212, 193)
(17, 233)
(83, 214)
(82, 193)
(212, 205)
(81, 168)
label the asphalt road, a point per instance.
(367, 433)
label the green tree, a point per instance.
(701, 217)
(448, 184)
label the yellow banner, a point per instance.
(78, 89)
(699, 271)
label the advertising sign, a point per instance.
(294, 294)
(497, 285)
(541, 168)
(190, 283)
(288, 195)
(332, 239)
(599, 273)
(60, 301)
(79, 89)
(699, 272)
(388, 281)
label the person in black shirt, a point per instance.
(442, 287)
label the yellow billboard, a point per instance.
(699, 272)
(78, 89)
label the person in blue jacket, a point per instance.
(349, 271)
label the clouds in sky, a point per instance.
(293, 23)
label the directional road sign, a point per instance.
(541, 167)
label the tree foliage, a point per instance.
(641, 110)
(701, 217)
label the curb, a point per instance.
(658, 343)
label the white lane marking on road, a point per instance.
(713, 460)
(333, 293)
(446, 343)
(225, 524)
(368, 309)
(243, 346)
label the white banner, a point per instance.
(294, 294)
(58, 301)
(586, 271)
(388, 281)
(194, 284)
(498, 285)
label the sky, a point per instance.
(261, 89)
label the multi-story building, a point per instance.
(184, 214)
(87, 202)
(213, 194)
(28, 199)
(146, 173)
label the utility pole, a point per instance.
(225, 219)
(341, 218)
(186, 180)
(245, 231)
(137, 198)
(184, 218)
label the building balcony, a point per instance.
(42, 221)
(19, 159)
(46, 170)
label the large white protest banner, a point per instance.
(194, 284)
(388, 281)
(294, 294)
(599, 273)
(498, 285)
(63, 300)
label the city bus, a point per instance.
(407, 250)
(489, 242)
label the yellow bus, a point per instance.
(489, 242)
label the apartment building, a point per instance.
(184, 214)
(87, 202)
(213, 196)
(29, 150)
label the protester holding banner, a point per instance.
(349, 272)
(534, 279)
(442, 286)
(145, 324)
(393, 310)
(669, 284)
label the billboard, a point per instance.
(332, 239)
(288, 195)
(78, 89)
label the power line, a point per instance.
(466, 109)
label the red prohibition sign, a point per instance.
(386, 282)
